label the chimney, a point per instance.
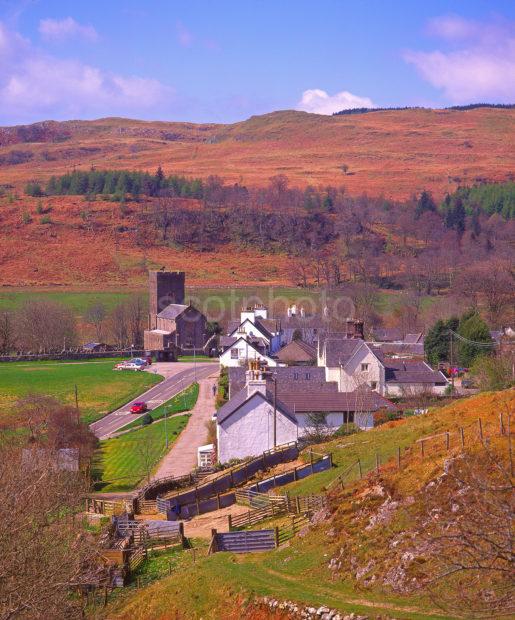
(354, 329)
(256, 378)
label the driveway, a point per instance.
(178, 376)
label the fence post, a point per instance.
(359, 468)
(330, 455)
(311, 458)
(422, 448)
(197, 500)
(377, 462)
(214, 547)
(462, 437)
(297, 504)
(501, 423)
(276, 533)
(399, 457)
(229, 522)
(480, 427)
(257, 486)
(264, 461)
(218, 501)
(447, 441)
(294, 474)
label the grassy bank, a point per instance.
(122, 462)
(100, 389)
(184, 401)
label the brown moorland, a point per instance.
(394, 153)
(66, 240)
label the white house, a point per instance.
(256, 326)
(240, 352)
(353, 363)
(245, 424)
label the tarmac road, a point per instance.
(177, 377)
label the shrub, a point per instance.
(34, 189)
(46, 220)
(146, 419)
(347, 429)
(25, 218)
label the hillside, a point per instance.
(371, 553)
(394, 153)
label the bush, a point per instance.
(46, 220)
(347, 429)
(382, 417)
(34, 189)
(25, 218)
(146, 419)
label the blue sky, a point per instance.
(224, 60)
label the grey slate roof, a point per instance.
(289, 378)
(412, 371)
(292, 403)
(172, 311)
(338, 351)
(387, 334)
(402, 348)
(359, 400)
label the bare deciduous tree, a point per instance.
(7, 332)
(45, 550)
(96, 316)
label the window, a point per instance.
(308, 376)
(364, 367)
(235, 354)
(373, 384)
(295, 376)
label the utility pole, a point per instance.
(195, 350)
(274, 379)
(166, 427)
(452, 366)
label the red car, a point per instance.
(139, 407)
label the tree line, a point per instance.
(42, 326)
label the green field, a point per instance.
(121, 462)
(216, 303)
(100, 388)
(184, 401)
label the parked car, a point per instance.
(140, 362)
(121, 366)
(139, 407)
(468, 384)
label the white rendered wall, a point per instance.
(249, 431)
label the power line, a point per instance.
(473, 342)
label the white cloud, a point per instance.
(320, 102)
(66, 28)
(452, 27)
(480, 69)
(184, 36)
(36, 85)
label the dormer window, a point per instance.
(364, 367)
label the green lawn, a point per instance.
(121, 462)
(100, 388)
(78, 301)
(184, 401)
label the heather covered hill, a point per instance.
(391, 152)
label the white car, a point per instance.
(128, 366)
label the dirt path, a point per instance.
(182, 458)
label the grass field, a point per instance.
(184, 401)
(100, 389)
(217, 303)
(121, 462)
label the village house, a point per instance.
(241, 351)
(353, 363)
(255, 326)
(174, 327)
(267, 411)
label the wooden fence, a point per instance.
(214, 494)
(107, 507)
